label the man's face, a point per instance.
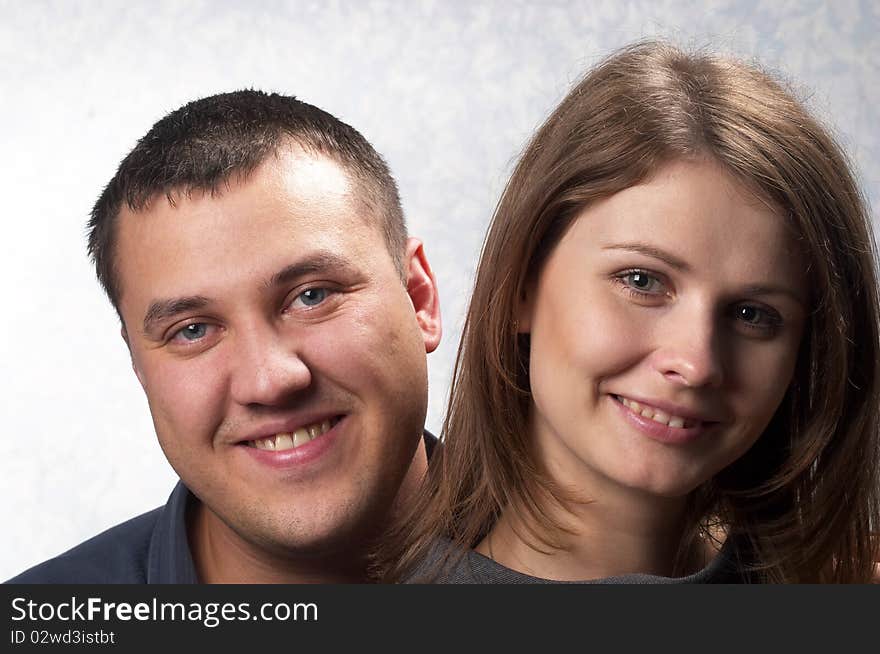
(282, 356)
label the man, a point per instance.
(277, 318)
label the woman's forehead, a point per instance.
(695, 216)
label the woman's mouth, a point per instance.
(657, 415)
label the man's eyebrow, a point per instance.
(317, 263)
(163, 309)
(651, 251)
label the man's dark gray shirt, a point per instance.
(152, 548)
(149, 549)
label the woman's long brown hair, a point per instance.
(803, 502)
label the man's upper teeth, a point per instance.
(655, 414)
(291, 440)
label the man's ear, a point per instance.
(422, 290)
(134, 367)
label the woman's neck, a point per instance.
(618, 533)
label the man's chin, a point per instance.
(296, 537)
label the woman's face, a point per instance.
(664, 331)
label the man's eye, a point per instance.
(191, 332)
(313, 296)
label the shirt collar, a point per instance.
(169, 560)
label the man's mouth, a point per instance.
(652, 413)
(291, 440)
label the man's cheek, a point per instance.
(180, 402)
(352, 348)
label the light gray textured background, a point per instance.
(447, 91)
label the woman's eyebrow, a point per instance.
(651, 251)
(762, 289)
(752, 290)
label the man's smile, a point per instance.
(291, 440)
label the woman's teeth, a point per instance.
(656, 415)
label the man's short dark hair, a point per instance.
(204, 144)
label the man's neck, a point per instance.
(221, 556)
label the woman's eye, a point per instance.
(757, 317)
(643, 282)
(751, 315)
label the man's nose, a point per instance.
(268, 368)
(689, 348)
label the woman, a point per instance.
(668, 370)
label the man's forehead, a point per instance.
(292, 205)
(304, 171)
(292, 184)
(289, 170)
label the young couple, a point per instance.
(668, 371)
